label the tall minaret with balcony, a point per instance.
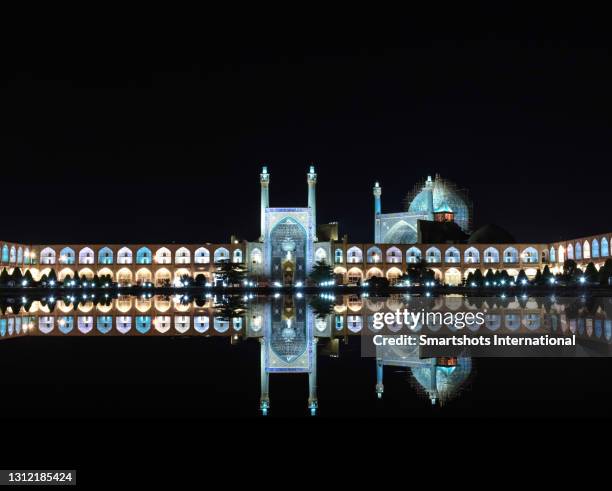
(311, 177)
(377, 191)
(429, 189)
(264, 180)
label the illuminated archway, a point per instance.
(144, 275)
(124, 276)
(452, 277)
(162, 276)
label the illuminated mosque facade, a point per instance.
(435, 227)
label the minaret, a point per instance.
(264, 180)
(264, 400)
(377, 190)
(429, 187)
(380, 388)
(313, 403)
(311, 177)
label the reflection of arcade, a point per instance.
(439, 378)
(288, 346)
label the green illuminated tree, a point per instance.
(321, 271)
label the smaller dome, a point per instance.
(444, 208)
(491, 234)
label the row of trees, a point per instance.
(18, 279)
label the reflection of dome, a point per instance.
(491, 234)
(442, 382)
(446, 194)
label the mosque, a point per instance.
(435, 227)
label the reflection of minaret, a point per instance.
(377, 190)
(313, 403)
(311, 177)
(379, 378)
(433, 392)
(264, 401)
(264, 180)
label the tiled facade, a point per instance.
(137, 263)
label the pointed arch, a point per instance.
(570, 251)
(452, 255)
(374, 272)
(586, 250)
(413, 255)
(106, 272)
(221, 254)
(433, 255)
(605, 250)
(354, 275)
(338, 256)
(393, 255)
(374, 255)
(256, 256)
(124, 276)
(163, 276)
(452, 277)
(124, 256)
(354, 255)
(578, 251)
(144, 275)
(182, 256)
(105, 256)
(144, 256)
(471, 255)
(530, 255)
(401, 232)
(595, 248)
(552, 255)
(5, 253)
(67, 256)
(163, 256)
(13, 255)
(511, 255)
(320, 254)
(491, 255)
(86, 255)
(237, 256)
(393, 274)
(47, 256)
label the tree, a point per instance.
(538, 278)
(4, 277)
(490, 276)
(605, 272)
(28, 277)
(478, 278)
(200, 280)
(546, 275)
(590, 273)
(522, 277)
(569, 268)
(469, 279)
(378, 282)
(52, 276)
(17, 277)
(67, 280)
(321, 271)
(231, 273)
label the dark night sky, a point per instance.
(138, 145)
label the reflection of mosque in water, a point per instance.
(292, 329)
